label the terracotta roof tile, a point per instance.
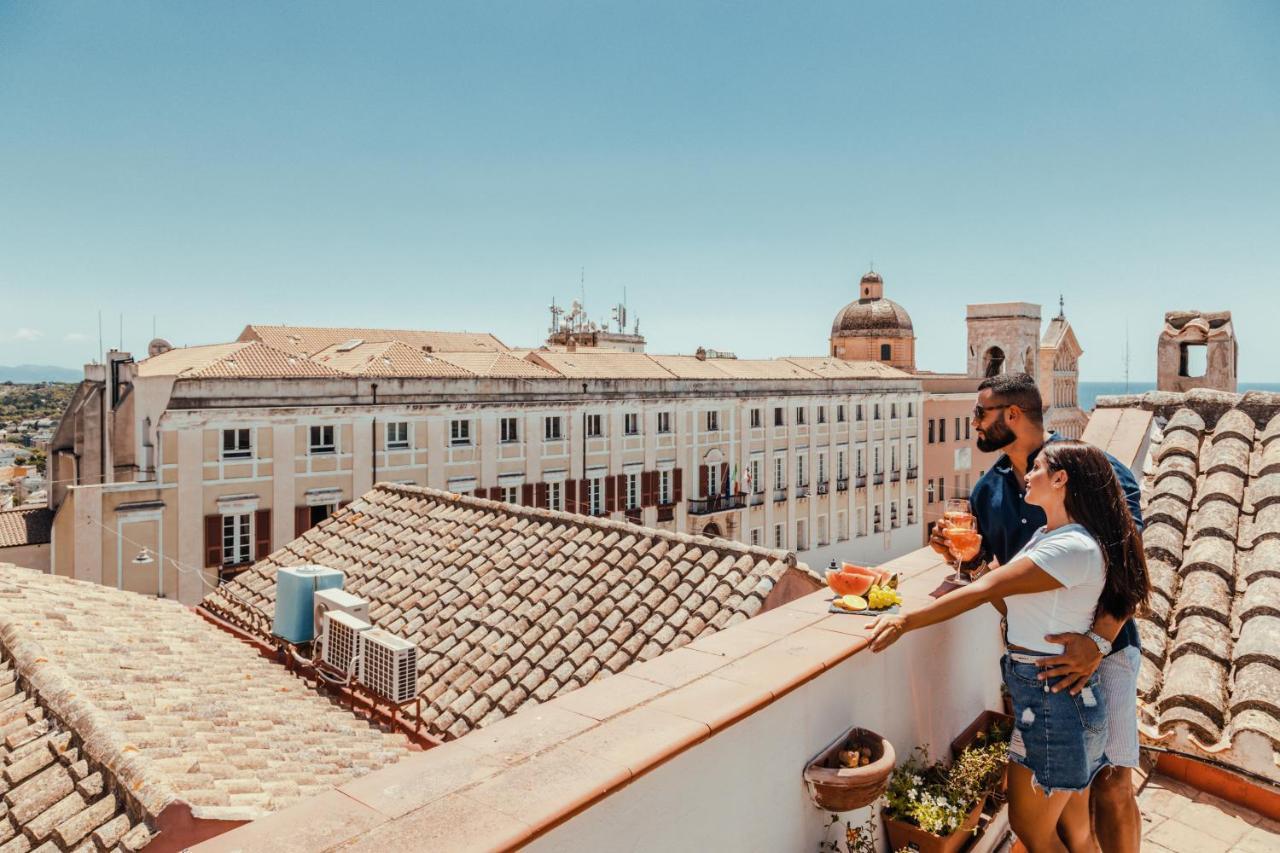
(25, 526)
(119, 706)
(308, 340)
(513, 603)
(387, 358)
(1210, 676)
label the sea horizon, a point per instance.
(1089, 392)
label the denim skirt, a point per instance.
(1060, 738)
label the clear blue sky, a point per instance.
(733, 166)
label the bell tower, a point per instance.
(1004, 337)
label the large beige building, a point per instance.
(171, 472)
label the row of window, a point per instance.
(941, 431)
(780, 539)
(595, 491)
(238, 443)
(936, 490)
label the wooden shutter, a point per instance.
(726, 487)
(677, 486)
(526, 494)
(261, 534)
(212, 541)
(610, 494)
(570, 495)
(301, 520)
(704, 480)
(646, 488)
(584, 496)
(541, 495)
(622, 492)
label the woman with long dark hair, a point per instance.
(1089, 555)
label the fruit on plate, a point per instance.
(843, 583)
(851, 603)
(882, 598)
(877, 575)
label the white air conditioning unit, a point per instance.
(389, 665)
(342, 640)
(336, 601)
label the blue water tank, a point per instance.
(295, 588)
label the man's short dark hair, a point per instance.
(1017, 389)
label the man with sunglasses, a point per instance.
(1009, 417)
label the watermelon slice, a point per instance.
(878, 576)
(847, 583)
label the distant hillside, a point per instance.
(39, 373)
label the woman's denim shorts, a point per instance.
(1060, 738)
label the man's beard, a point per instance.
(996, 436)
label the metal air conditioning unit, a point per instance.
(343, 635)
(336, 601)
(296, 587)
(389, 665)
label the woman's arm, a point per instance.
(1020, 577)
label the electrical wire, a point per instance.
(221, 587)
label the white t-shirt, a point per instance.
(1072, 556)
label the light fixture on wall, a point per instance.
(145, 558)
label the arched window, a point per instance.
(886, 352)
(993, 362)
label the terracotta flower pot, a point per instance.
(902, 834)
(970, 735)
(836, 788)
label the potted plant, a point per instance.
(989, 736)
(852, 772)
(927, 810)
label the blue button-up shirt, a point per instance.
(1007, 522)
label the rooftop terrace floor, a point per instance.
(1177, 818)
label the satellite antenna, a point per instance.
(1126, 358)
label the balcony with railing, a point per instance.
(757, 498)
(666, 512)
(802, 490)
(779, 494)
(823, 486)
(717, 503)
(879, 478)
(701, 735)
(913, 472)
(895, 475)
(842, 484)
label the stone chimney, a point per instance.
(1197, 349)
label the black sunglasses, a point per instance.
(980, 411)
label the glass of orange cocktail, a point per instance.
(963, 539)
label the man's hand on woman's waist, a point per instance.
(1076, 664)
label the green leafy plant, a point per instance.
(977, 771)
(921, 793)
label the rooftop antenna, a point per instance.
(1062, 310)
(582, 284)
(1126, 357)
(102, 353)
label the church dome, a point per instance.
(871, 314)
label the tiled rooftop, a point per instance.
(173, 710)
(510, 604)
(54, 794)
(244, 360)
(387, 358)
(1210, 679)
(307, 340)
(25, 526)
